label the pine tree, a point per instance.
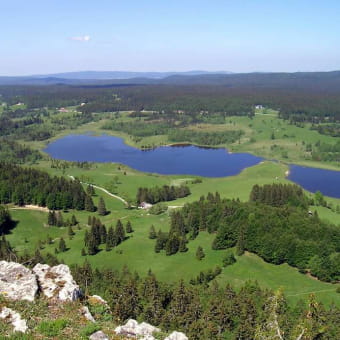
(62, 245)
(59, 219)
(200, 253)
(74, 221)
(92, 247)
(86, 238)
(103, 233)
(101, 207)
(152, 233)
(183, 245)
(240, 243)
(120, 232)
(89, 206)
(110, 239)
(90, 190)
(128, 227)
(70, 231)
(51, 218)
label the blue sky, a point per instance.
(157, 35)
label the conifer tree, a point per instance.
(183, 245)
(62, 245)
(240, 243)
(51, 218)
(90, 190)
(59, 219)
(120, 232)
(101, 207)
(74, 221)
(103, 233)
(199, 253)
(86, 238)
(152, 233)
(128, 227)
(89, 206)
(70, 231)
(92, 247)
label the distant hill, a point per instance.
(319, 81)
(100, 75)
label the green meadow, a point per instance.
(137, 252)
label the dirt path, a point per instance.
(31, 207)
(315, 291)
(104, 190)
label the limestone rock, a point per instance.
(19, 324)
(87, 314)
(176, 336)
(99, 336)
(96, 299)
(133, 329)
(57, 282)
(17, 282)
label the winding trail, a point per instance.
(315, 291)
(104, 190)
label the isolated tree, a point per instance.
(70, 231)
(83, 252)
(74, 220)
(228, 259)
(101, 207)
(128, 227)
(152, 233)
(62, 245)
(199, 253)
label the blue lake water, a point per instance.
(182, 160)
(165, 160)
(314, 179)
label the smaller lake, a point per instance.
(165, 160)
(314, 179)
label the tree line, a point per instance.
(161, 194)
(213, 312)
(23, 186)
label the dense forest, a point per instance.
(275, 230)
(161, 194)
(22, 186)
(307, 97)
(215, 312)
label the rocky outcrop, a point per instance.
(141, 331)
(99, 336)
(57, 282)
(87, 314)
(17, 282)
(176, 336)
(14, 318)
(96, 299)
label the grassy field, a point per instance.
(138, 251)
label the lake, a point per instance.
(182, 160)
(314, 179)
(165, 160)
